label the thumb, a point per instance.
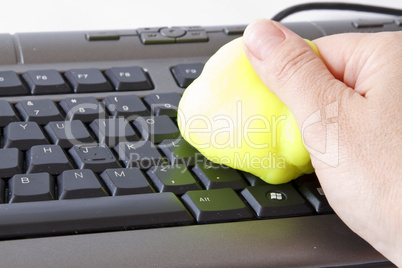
(291, 70)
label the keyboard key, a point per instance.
(234, 30)
(273, 201)
(31, 187)
(155, 38)
(314, 194)
(23, 135)
(215, 176)
(112, 131)
(193, 36)
(11, 85)
(47, 158)
(218, 205)
(45, 82)
(185, 74)
(176, 179)
(85, 109)
(180, 152)
(156, 128)
(68, 133)
(129, 78)
(2, 191)
(102, 36)
(39, 111)
(87, 80)
(125, 181)
(100, 214)
(128, 106)
(305, 178)
(164, 103)
(252, 179)
(141, 154)
(79, 183)
(96, 157)
(148, 30)
(172, 32)
(10, 162)
(7, 114)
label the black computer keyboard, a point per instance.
(90, 144)
(119, 162)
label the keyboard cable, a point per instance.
(335, 6)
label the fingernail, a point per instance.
(262, 37)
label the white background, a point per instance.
(70, 15)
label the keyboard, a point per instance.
(92, 164)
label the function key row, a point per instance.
(39, 82)
(87, 109)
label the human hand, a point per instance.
(348, 108)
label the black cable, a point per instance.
(335, 6)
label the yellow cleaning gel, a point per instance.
(232, 118)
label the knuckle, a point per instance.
(386, 47)
(327, 92)
(393, 39)
(292, 65)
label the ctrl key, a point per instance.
(217, 205)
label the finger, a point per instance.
(291, 70)
(340, 56)
(358, 59)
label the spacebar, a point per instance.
(91, 215)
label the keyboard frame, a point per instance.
(319, 240)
